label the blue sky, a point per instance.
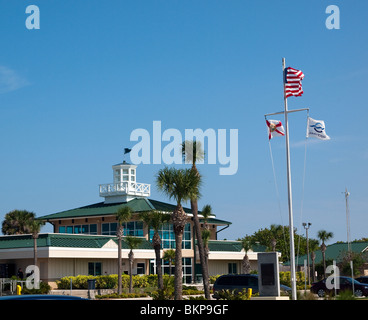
(73, 91)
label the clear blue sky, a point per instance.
(72, 92)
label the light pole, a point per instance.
(306, 227)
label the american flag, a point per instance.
(293, 82)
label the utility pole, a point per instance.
(306, 227)
(347, 194)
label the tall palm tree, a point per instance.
(133, 243)
(169, 255)
(313, 246)
(123, 215)
(34, 227)
(324, 235)
(246, 245)
(192, 152)
(17, 222)
(155, 219)
(181, 185)
(206, 233)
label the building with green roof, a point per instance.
(84, 239)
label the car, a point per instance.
(362, 279)
(41, 297)
(346, 283)
(238, 282)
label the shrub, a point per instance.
(44, 289)
(213, 278)
(234, 295)
(109, 281)
(285, 279)
(121, 296)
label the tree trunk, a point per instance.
(157, 247)
(179, 219)
(120, 265)
(245, 264)
(323, 249)
(201, 249)
(313, 256)
(35, 249)
(131, 260)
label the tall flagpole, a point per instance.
(291, 223)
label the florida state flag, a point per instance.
(275, 128)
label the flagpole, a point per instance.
(291, 223)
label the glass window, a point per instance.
(77, 229)
(61, 229)
(125, 178)
(140, 268)
(167, 236)
(93, 228)
(232, 268)
(94, 268)
(85, 228)
(113, 228)
(105, 228)
(69, 229)
(125, 171)
(132, 171)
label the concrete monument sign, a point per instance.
(268, 279)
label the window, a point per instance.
(69, 229)
(225, 280)
(232, 268)
(94, 268)
(140, 268)
(132, 228)
(187, 268)
(168, 237)
(109, 228)
(86, 229)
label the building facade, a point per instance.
(84, 240)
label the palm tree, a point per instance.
(154, 219)
(276, 231)
(169, 255)
(17, 222)
(123, 215)
(313, 246)
(206, 233)
(246, 245)
(192, 152)
(324, 235)
(133, 243)
(34, 227)
(182, 185)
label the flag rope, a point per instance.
(278, 197)
(303, 185)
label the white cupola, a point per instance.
(125, 186)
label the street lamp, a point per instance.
(306, 227)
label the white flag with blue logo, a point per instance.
(317, 129)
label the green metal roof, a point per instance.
(63, 240)
(137, 205)
(334, 252)
(234, 246)
(100, 209)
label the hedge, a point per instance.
(107, 281)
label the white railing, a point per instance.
(122, 188)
